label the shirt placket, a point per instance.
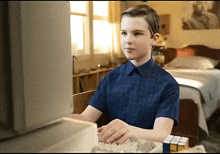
(133, 97)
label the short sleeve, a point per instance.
(170, 102)
(98, 100)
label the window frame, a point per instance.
(84, 31)
(88, 31)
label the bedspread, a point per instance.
(206, 82)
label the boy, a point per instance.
(141, 99)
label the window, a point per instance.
(78, 22)
(90, 31)
(101, 27)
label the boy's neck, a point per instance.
(136, 63)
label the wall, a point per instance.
(178, 37)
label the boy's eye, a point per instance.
(123, 33)
(137, 34)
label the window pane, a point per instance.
(78, 6)
(101, 36)
(77, 31)
(100, 8)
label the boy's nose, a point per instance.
(129, 39)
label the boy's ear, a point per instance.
(155, 38)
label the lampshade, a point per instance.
(162, 40)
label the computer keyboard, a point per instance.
(133, 145)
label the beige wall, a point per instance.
(178, 37)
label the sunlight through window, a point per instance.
(100, 8)
(77, 31)
(101, 28)
(102, 36)
(78, 6)
(77, 19)
(101, 32)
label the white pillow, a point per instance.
(195, 62)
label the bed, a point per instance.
(197, 70)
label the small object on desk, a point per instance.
(177, 138)
(185, 140)
(181, 146)
(170, 137)
(175, 144)
(195, 149)
(166, 146)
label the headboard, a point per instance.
(191, 50)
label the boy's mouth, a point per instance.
(130, 48)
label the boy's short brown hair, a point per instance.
(151, 16)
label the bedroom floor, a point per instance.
(212, 142)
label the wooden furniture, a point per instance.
(88, 81)
(198, 50)
(80, 101)
(188, 121)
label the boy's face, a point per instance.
(136, 41)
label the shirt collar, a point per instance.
(143, 69)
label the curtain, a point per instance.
(114, 18)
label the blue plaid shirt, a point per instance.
(138, 95)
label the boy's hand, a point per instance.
(116, 130)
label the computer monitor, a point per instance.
(35, 65)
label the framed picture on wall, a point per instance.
(200, 15)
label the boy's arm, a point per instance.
(121, 131)
(90, 114)
(162, 127)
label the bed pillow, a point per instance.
(194, 62)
